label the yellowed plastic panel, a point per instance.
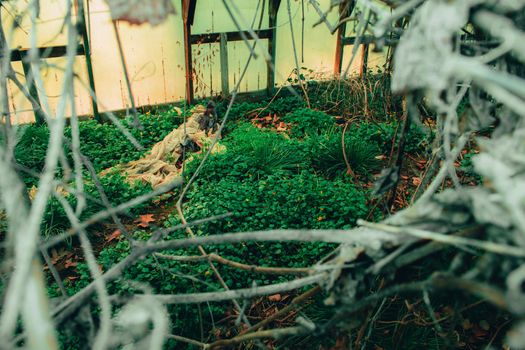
(20, 107)
(155, 55)
(255, 78)
(211, 16)
(319, 43)
(53, 78)
(154, 58)
(49, 23)
(376, 61)
(206, 66)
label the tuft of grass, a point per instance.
(329, 158)
(252, 153)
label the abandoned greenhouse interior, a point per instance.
(262, 174)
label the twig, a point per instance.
(294, 304)
(407, 104)
(270, 333)
(26, 236)
(103, 335)
(349, 170)
(192, 298)
(187, 340)
(54, 272)
(297, 67)
(492, 247)
(252, 268)
(126, 76)
(158, 234)
(102, 215)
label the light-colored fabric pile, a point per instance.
(158, 167)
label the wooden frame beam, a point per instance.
(19, 55)
(339, 46)
(31, 87)
(211, 38)
(82, 29)
(273, 9)
(188, 15)
(345, 10)
(364, 59)
(83, 49)
(367, 40)
(222, 38)
(225, 76)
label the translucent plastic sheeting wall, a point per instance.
(155, 55)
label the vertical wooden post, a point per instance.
(87, 52)
(364, 60)
(31, 86)
(4, 96)
(339, 47)
(186, 5)
(224, 65)
(273, 9)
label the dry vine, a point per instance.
(432, 61)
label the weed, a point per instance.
(329, 158)
(308, 122)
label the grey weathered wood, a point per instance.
(224, 65)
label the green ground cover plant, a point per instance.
(266, 180)
(104, 144)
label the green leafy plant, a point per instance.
(116, 189)
(30, 150)
(468, 168)
(307, 121)
(103, 144)
(386, 134)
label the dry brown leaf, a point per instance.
(70, 263)
(153, 12)
(275, 297)
(144, 220)
(113, 236)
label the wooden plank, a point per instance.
(87, 53)
(225, 77)
(273, 9)
(211, 38)
(186, 7)
(44, 52)
(369, 39)
(31, 86)
(364, 60)
(192, 5)
(339, 47)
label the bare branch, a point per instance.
(252, 268)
